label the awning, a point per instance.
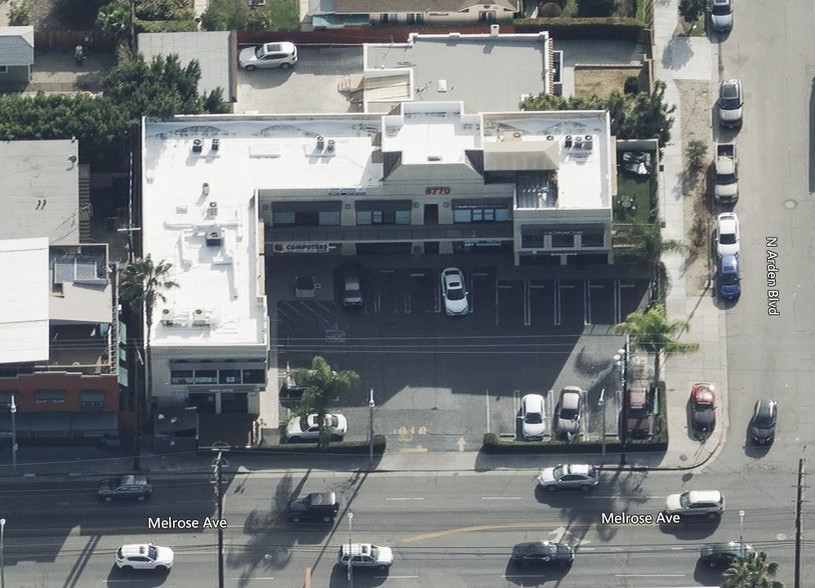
(521, 156)
(339, 20)
(61, 424)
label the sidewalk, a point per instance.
(687, 58)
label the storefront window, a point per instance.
(254, 376)
(593, 240)
(282, 218)
(480, 214)
(532, 241)
(229, 376)
(562, 241)
(206, 376)
(181, 377)
(329, 219)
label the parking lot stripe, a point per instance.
(527, 304)
(407, 303)
(487, 395)
(557, 303)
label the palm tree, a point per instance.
(753, 572)
(142, 286)
(652, 331)
(647, 241)
(322, 385)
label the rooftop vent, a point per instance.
(434, 158)
(588, 142)
(442, 85)
(215, 144)
(205, 189)
(212, 209)
(550, 137)
(197, 146)
(331, 145)
(320, 143)
(567, 143)
(215, 238)
(495, 30)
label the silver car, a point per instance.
(721, 15)
(269, 55)
(569, 477)
(730, 103)
(569, 409)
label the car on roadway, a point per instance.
(144, 556)
(695, 503)
(569, 477)
(721, 15)
(365, 555)
(533, 417)
(307, 428)
(317, 506)
(543, 552)
(454, 292)
(762, 427)
(269, 55)
(728, 277)
(727, 234)
(730, 103)
(130, 487)
(725, 554)
(569, 410)
(703, 407)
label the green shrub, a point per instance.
(19, 13)
(550, 10)
(632, 85)
(166, 26)
(164, 10)
(78, 15)
(611, 28)
(343, 447)
(595, 8)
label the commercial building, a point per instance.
(58, 341)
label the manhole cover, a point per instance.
(781, 537)
(790, 203)
(683, 457)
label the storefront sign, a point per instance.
(300, 248)
(347, 191)
(437, 190)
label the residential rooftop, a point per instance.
(457, 67)
(40, 190)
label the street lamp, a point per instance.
(371, 406)
(2, 554)
(602, 404)
(350, 554)
(13, 434)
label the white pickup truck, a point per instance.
(726, 188)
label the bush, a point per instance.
(166, 26)
(19, 14)
(696, 153)
(595, 8)
(550, 10)
(225, 15)
(632, 85)
(164, 10)
(611, 28)
(691, 10)
(78, 15)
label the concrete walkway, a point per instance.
(687, 58)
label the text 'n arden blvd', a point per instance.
(772, 277)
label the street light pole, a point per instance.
(13, 434)
(601, 403)
(371, 406)
(350, 554)
(2, 554)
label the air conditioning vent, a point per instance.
(215, 144)
(201, 317)
(214, 238)
(212, 209)
(197, 146)
(434, 158)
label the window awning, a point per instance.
(521, 156)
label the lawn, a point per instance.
(625, 8)
(643, 195)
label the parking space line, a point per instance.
(587, 302)
(487, 395)
(317, 314)
(527, 304)
(407, 303)
(377, 303)
(293, 309)
(437, 298)
(550, 401)
(557, 303)
(516, 403)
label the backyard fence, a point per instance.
(49, 39)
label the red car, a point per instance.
(703, 407)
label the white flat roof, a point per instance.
(24, 300)
(583, 175)
(431, 132)
(220, 299)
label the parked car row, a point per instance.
(568, 414)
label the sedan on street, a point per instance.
(569, 477)
(543, 552)
(721, 15)
(125, 488)
(703, 407)
(454, 292)
(762, 428)
(145, 556)
(730, 103)
(728, 277)
(725, 554)
(727, 234)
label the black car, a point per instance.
(724, 554)
(318, 506)
(125, 488)
(765, 415)
(543, 552)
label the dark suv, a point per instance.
(125, 488)
(725, 554)
(765, 416)
(318, 506)
(543, 552)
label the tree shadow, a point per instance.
(677, 53)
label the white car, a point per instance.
(569, 408)
(533, 417)
(268, 55)
(709, 503)
(721, 15)
(365, 555)
(144, 556)
(730, 103)
(727, 234)
(454, 292)
(306, 428)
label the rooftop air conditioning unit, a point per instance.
(215, 144)
(568, 142)
(214, 238)
(197, 146)
(212, 209)
(200, 317)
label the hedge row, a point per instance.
(166, 26)
(622, 29)
(659, 442)
(340, 447)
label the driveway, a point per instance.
(309, 87)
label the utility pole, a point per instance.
(218, 480)
(371, 406)
(602, 404)
(13, 434)
(350, 550)
(799, 523)
(137, 395)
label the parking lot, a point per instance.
(441, 382)
(309, 87)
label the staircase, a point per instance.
(85, 208)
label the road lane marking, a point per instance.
(398, 577)
(650, 575)
(487, 396)
(502, 527)
(500, 498)
(403, 498)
